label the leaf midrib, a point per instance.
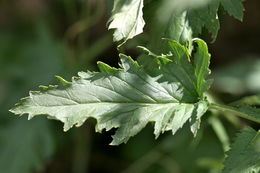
(115, 103)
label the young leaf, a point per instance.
(127, 19)
(244, 156)
(126, 98)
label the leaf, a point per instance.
(252, 112)
(244, 156)
(25, 146)
(205, 17)
(220, 131)
(243, 111)
(234, 8)
(253, 100)
(188, 4)
(127, 98)
(127, 19)
(178, 28)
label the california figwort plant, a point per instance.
(168, 88)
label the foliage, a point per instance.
(130, 97)
(166, 86)
(244, 153)
(127, 16)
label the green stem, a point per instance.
(233, 110)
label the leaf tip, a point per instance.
(63, 81)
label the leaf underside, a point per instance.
(130, 97)
(127, 19)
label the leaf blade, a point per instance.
(127, 19)
(127, 98)
(234, 8)
(244, 154)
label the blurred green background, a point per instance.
(43, 38)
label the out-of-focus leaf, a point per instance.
(188, 4)
(127, 16)
(25, 147)
(234, 8)
(26, 60)
(244, 73)
(244, 111)
(205, 17)
(220, 131)
(178, 28)
(244, 155)
(250, 100)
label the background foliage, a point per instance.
(40, 39)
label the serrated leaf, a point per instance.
(234, 8)
(127, 19)
(244, 111)
(251, 112)
(205, 17)
(202, 61)
(244, 156)
(127, 98)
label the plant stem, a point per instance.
(233, 110)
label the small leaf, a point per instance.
(127, 19)
(202, 61)
(243, 111)
(244, 155)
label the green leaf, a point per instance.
(244, 156)
(234, 8)
(127, 19)
(178, 28)
(249, 100)
(127, 98)
(250, 111)
(205, 17)
(243, 111)
(25, 146)
(202, 61)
